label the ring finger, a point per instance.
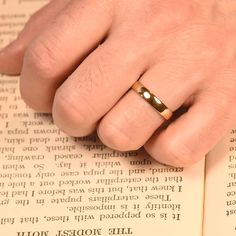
(132, 121)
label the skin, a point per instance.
(78, 60)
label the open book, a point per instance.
(55, 185)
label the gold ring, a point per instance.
(152, 100)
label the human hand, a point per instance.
(78, 60)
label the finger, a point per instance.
(191, 136)
(60, 49)
(96, 85)
(132, 121)
(11, 57)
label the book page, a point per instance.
(55, 185)
(220, 199)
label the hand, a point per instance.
(78, 60)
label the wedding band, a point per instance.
(164, 111)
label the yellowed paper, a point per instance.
(52, 184)
(220, 200)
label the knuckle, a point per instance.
(116, 137)
(71, 118)
(41, 59)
